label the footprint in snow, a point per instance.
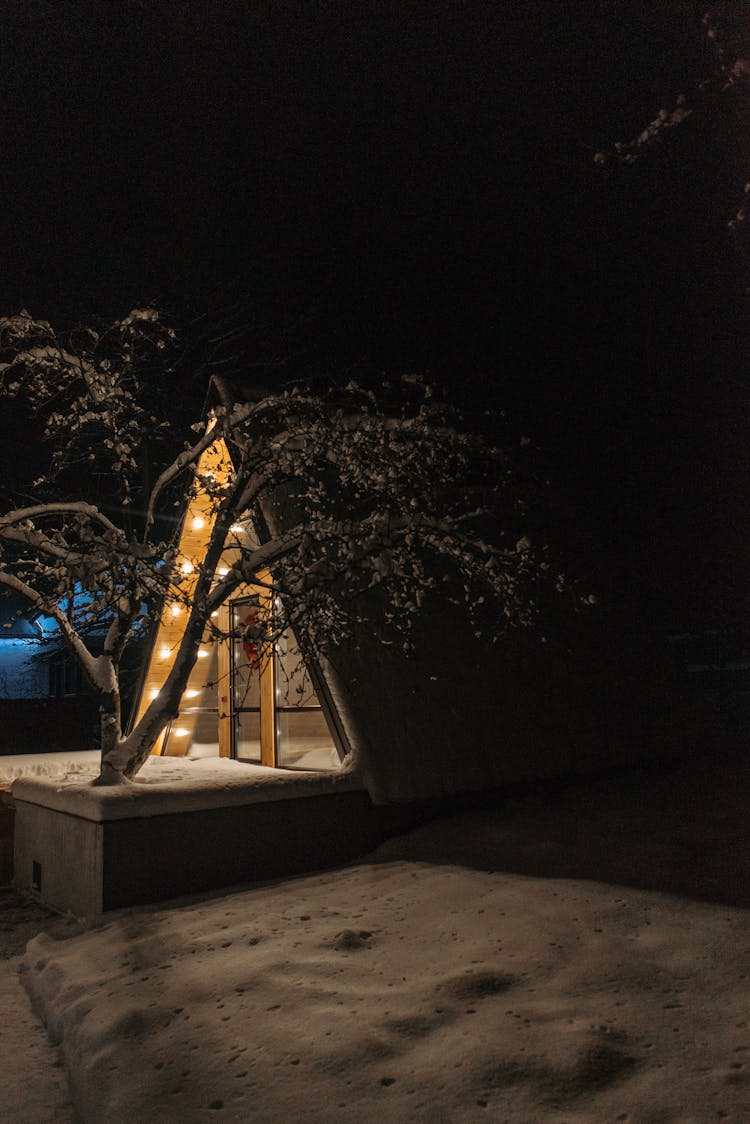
(349, 939)
(478, 985)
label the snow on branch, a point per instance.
(85, 387)
(77, 507)
(725, 84)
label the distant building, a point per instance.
(46, 704)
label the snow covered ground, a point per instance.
(580, 956)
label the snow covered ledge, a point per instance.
(182, 826)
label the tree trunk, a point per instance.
(111, 734)
(123, 757)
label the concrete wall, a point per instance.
(58, 858)
(89, 867)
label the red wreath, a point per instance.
(253, 630)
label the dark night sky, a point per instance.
(411, 185)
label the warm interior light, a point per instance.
(198, 523)
(187, 567)
(165, 653)
(222, 571)
(175, 610)
(191, 694)
(202, 653)
(180, 732)
(237, 528)
(215, 613)
(154, 692)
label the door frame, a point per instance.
(269, 738)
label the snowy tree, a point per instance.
(720, 96)
(365, 509)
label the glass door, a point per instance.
(246, 664)
(277, 719)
